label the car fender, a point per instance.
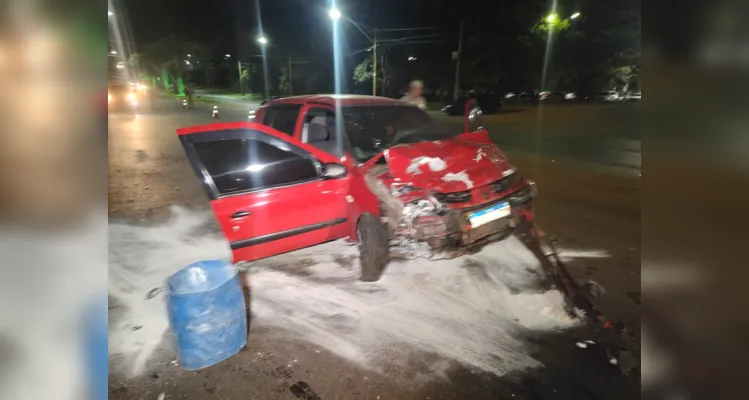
(360, 199)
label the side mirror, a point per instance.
(475, 116)
(333, 171)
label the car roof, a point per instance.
(333, 99)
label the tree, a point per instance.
(168, 59)
(284, 80)
(385, 73)
(513, 47)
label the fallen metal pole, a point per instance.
(558, 274)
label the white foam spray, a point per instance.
(140, 259)
(461, 176)
(434, 164)
(474, 309)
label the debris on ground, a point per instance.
(162, 396)
(616, 356)
(301, 390)
(153, 292)
(594, 288)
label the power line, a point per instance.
(429, 35)
(421, 42)
(421, 28)
(360, 51)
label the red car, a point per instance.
(373, 170)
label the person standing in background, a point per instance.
(414, 95)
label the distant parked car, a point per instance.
(490, 104)
(550, 97)
(633, 96)
(608, 96)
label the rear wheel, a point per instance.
(373, 247)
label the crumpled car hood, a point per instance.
(447, 166)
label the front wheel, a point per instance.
(373, 247)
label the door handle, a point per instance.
(240, 214)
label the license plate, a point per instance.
(489, 214)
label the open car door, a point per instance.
(269, 192)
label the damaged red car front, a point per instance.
(440, 198)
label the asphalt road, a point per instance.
(587, 199)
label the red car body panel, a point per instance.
(448, 166)
(338, 100)
(278, 210)
(282, 210)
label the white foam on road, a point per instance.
(473, 309)
(140, 259)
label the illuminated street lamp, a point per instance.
(113, 52)
(575, 15)
(551, 18)
(227, 55)
(335, 15)
(262, 40)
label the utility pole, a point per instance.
(457, 66)
(374, 64)
(239, 71)
(291, 90)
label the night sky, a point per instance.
(293, 26)
(302, 30)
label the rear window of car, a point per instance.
(282, 117)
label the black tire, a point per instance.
(373, 247)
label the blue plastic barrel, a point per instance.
(207, 313)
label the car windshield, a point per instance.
(372, 129)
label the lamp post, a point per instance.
(335, 15)
(263, 42)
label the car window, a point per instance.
(282, 117)
(319, 130)
(372, 129)
(316, 115)
(238, 165)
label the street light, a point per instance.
(335, 15)
(262, 40)
(113, 52)
(575, 15)
(227, 55)
(109, 13)
(551, 18)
